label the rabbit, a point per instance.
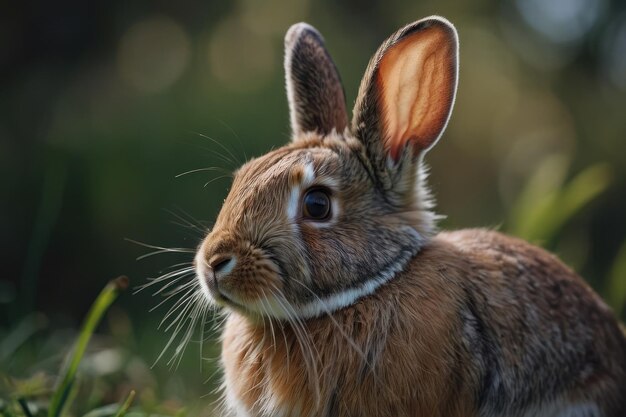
(341, 296)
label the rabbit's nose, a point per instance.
(222, 264)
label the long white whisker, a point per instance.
(193, 319)
(169, 343)
(182, 287)
(347, 337)
(187, 217)
(223, 157)
(190, 305)
(175, 276)
(189, 288)
(263, 303)
(243, 148)
(204, 312)
(159, 250)
(304, 340)
(234, 158)
(192, 171)
(173, 282)
(191, 223)
(215, 179)
(185, 304)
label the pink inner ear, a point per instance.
(417, 81)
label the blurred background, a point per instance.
(104, 104)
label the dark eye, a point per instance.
(316, 204)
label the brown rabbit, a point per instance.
(341, 298)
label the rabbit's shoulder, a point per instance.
(507, 271)
(530, 320)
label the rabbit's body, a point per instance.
(342, 300)
(478, 324)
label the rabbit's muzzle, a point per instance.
(236, 273)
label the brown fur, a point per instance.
(369, 312)
(412, 330)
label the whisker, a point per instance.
(182, 222)
(188, 218)
(304, 340)
(175, 290)
(193, 171)
(172, 267)
(174, 275)
(336, 324)
(205, 310)
(157, 252)
(160, 249)
(215, 179)
(347, 337)
(234, 158)
(166, 348)
(223, 158)
(182, 301)
(193, 319)
(243, 148)
(190, 306)
(266, 310)
(170, 296)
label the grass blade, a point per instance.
(124, 408)
(25, 407)
(616, 291)
(97, 310)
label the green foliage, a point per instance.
(37, 396)
(616, 286)
(64, 390)
(548, 202)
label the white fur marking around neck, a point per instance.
(345, 298)
(333, 302)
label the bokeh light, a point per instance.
(561, 21)
(614, 56)
(253, 64)
(153, 54)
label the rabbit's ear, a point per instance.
(407, 93)
(314, 90)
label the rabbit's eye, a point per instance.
(316, 204)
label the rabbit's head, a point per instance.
(323, 221)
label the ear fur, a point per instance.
(407, 94)
(314, 90)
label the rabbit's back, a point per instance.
(535, 330)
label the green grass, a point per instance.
(63, 392)
(42, 394)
